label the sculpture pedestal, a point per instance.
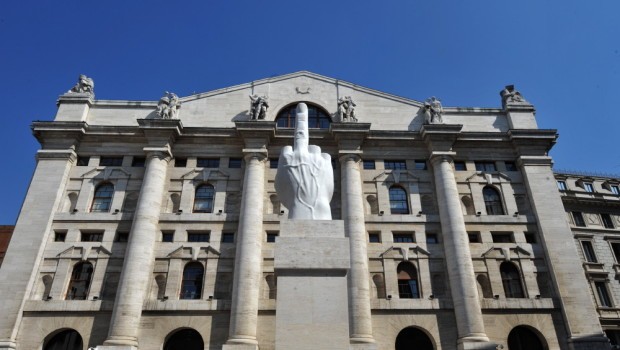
(311, 262)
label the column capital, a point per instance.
(158, 152)
(255, 153)
(438, 157)
(344, 156)
(46, 154)
(160, 132)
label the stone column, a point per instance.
(458, 257)
(355, 229)
(248, 259)
(32, 230)
(139, 257)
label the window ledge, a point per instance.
(518, 303)
(594, 268)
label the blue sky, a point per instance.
(564, 56)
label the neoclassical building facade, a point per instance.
(156, 225)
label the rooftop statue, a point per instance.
(346, 109)
(168, 106)
(511, 96)
(305, 178)
(433, 111)
(258, 107)
(85, 85)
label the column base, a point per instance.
(116, 347)
(8, 345)
(239, 346)
(475, 343)
(363, 344)
(588, 343)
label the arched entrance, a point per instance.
(413, 338)
(523, 338)
(68, 339)
(184, 339)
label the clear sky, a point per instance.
(564, 57)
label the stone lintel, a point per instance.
(236, 346)
(116, 347)
(160, 132)
(440, 137)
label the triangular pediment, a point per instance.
(204, 175)
(488, 177)
(194, 252)
(505, 253)
(106, 173)
(396, 176)
(406, 252)
(84, 251)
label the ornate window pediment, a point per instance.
(412, 251)
(194, 252)
(505, 253)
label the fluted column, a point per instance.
(139, 257)
(355, 229)
(248, 259)
(467, 310)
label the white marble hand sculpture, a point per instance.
(305, 178)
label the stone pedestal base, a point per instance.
(363, 346)
(240, 347)
(116, 347)
(311, 262)
(476, 345)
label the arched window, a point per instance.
(67, 339)
(191, 286)
(413, 338)
(318, 118)
(80, 281)
(103, 198)
(203, 201)
(186, 339)
(511, 279)
(398, 200)
(492, 201)
(407, 281)
(522, 338)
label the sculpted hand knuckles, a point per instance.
(304, 180)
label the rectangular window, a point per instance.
(615, 247)
(110, 161)
(510, 166)
(606, 218)
(485, 166)
(588, 187)
(474, 237)
(273, 163)
(603, 294)
(198, 236)
(138, 162)
(180, 162)
(578, 217)
(208, 163)
(82, 161)
(167, 236)
(432, 238)
(395, 164)
(615, 189)
(459, 165)
(374, 237)
(228, 237)
(271, 236)
(403, 238)
(502, 237)
(561, 185)
(588, 251)
(420, 165)
(92, 236)
(530, 237)
(121, 236)
(369, 164)
(234, 163)
(60, 236)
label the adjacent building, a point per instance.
(5, 237)
(155, 225)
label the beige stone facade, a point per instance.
(138, 229)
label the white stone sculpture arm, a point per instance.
(305, 178)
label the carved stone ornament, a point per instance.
(258, 107)
(85, 85)
(305, 178)
(433, 111)
(168, 106)
(511, 96)
(346, 109)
